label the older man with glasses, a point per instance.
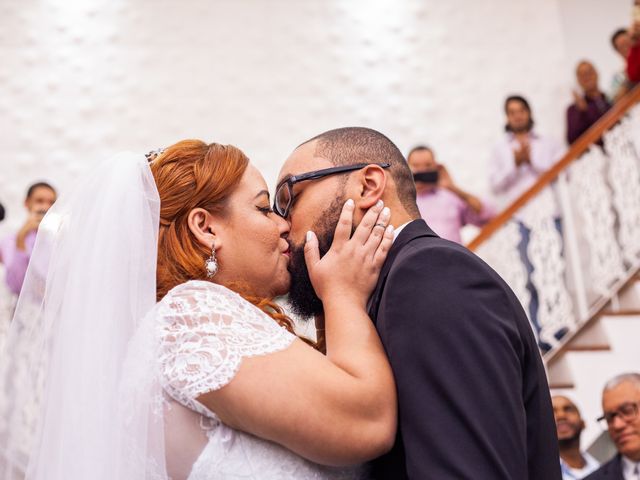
(620, 403)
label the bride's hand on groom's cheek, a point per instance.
(351, 266)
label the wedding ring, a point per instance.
(379, 225)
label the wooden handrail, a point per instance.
(578, 147)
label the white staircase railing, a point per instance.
(583, 224)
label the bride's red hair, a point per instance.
(191, 174)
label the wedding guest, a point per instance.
(621, 42)
(575, 463)
(516, 162)
(589, 105)
(522, 154)
(445, 206)
(16, 248)
(633, 59)
(620, 403)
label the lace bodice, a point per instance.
(205, 331)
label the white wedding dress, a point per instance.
(205, 331)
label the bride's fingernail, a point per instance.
(385, 214)
(349, 203)
(379, 203)
(309, 236)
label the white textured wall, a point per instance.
(587, 26)
(81, 80)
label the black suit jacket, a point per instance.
(612, 470)
(473, 399)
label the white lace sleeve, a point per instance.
(205, 332)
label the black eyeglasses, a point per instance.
(627, 413)
(284, 192)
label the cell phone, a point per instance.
(431, 176)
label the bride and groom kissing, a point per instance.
(166, 356)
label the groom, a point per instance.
(473, 398)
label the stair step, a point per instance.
(628, 298)
(622, 313)
(562, 386)
(589, 348)
(592, 337)
(559, 374)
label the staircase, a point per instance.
(587, 277)
(608, 345)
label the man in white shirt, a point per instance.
(620, 404)
(521, 155)
(517, 161)
(575, 463)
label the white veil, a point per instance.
(65, 411)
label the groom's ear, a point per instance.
(204, 228)
(372, 182)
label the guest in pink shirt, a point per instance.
(15, 250)
(442, 204)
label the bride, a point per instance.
(146, 344)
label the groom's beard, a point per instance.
(302, 297)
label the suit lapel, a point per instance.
(616, 469)
(415, 229)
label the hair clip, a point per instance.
(153, 154)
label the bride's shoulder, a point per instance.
(200, 286)
(199, 295)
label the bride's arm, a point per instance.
(336, 409)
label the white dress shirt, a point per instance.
(397, 231)
(630, 469)
(568, 473)
(509, 181)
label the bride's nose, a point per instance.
(283, 226)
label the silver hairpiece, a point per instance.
(153, 154)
